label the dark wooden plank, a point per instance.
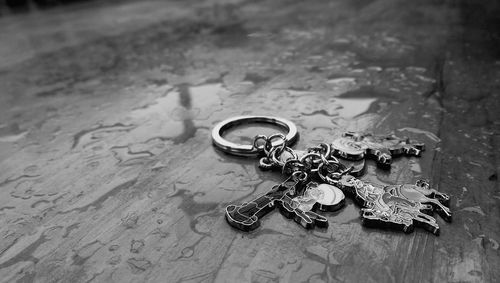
(108, 172)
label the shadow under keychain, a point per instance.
(316, 181)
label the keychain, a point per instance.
(317, 180)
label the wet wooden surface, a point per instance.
(107, 172)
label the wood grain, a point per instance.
(107, 172)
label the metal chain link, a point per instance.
(315, 158)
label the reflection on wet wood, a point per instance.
(107, 170)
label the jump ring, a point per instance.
(340, 170)
(300, 175)
(264, 164)
(268, 146)
(258, 138)
(279, 162)
(287, 166)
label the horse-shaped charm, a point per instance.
(399, 207)
(356, 146)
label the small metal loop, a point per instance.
(265, 164)
(277, 151)
(288, 169)
(334, 159)
(324, 160)
(268, 146)
(332, 176)
(310, 154)
(314, 163)
(300, 175)
(322, 147)
(258, 138)
(320, 173)
(251, 150)
(328, 149)
(327, 178)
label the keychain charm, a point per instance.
(356, 146)
(322, 197)
(400, 207)
(246, 217)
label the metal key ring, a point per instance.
(250, 150)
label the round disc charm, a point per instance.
(328, 197)
(348, 148)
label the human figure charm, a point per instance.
(322, 197)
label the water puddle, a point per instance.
(475, 209)
(380, 50)
(415, 167)
(342, 80)
(184, 102)
(126, 156)
(160, 107)
(174, 114)
(255, 78)
(13, 138)
(11, 133)
(91, 136)
(334, 107)
(370, 92)
(428, 134)
(353, 107)
(349, 214)
(205, 99)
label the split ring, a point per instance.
(251, 150)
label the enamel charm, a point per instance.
(322, 197)
(246, 217)
(400, 207)
(356, 146)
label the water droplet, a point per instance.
(39, 203)
(11, 133)
(136, 246)
(126, 156)
(159, 232)
(130, 221)
(138, 265)
(113, 248)
(114, 260)
(93, 164)
(187, 252)
(31, 170)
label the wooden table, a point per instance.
(108, 174)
